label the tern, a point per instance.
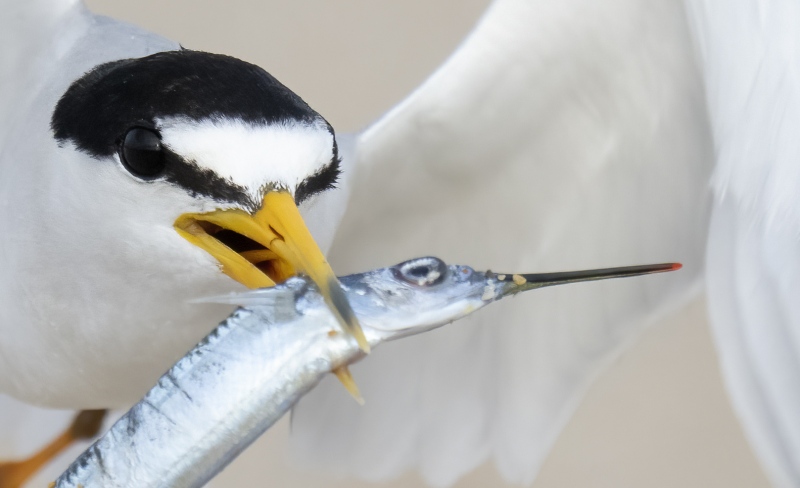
(558, 131)
(139, 203)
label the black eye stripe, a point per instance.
(322, 180)
(204, 182)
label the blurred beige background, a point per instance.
(657, 417)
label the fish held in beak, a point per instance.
(262, 249)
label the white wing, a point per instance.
(751, 70)
(561, 135)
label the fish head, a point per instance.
(417, 295)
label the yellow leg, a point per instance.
(86, 425)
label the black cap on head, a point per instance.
(103, 104)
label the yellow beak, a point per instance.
(267, 248)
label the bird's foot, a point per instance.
(86, 425)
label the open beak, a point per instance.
(268, 247)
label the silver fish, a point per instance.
(251, 370)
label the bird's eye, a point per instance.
(141, 153)
(422, 271)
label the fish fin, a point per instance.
(263, 297)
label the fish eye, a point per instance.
(141, 153)
(426, 271)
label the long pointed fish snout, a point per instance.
(515, 283)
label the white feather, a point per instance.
(750, 50)
(561, 135)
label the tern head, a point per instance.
(221, 154)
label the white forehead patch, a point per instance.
(250, 155)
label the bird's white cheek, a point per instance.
(99, 253)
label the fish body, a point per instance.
(248, 372)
